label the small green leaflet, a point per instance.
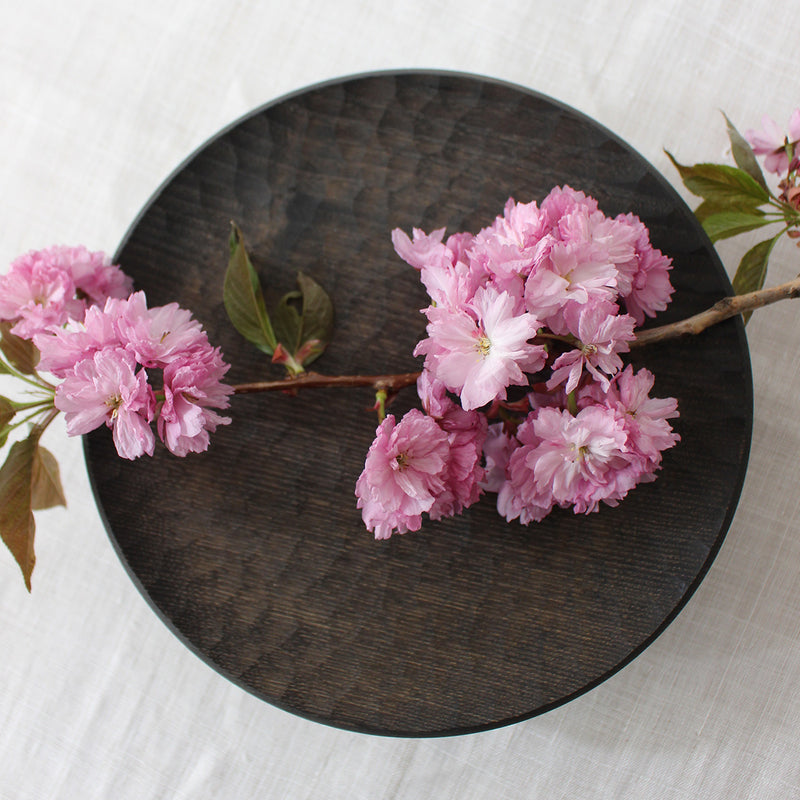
(317, 319)
(743, 154)
(752, 269)
(7, 412)
(243, 298)
(21, 353)
(722, 184)
(301, 323)
(724, 224)
(46, 489)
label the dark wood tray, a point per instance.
(254, 553)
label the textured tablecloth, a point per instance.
(99, 103)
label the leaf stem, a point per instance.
(39, 382)
(41, 426)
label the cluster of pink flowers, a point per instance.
(545, 298)
(46, 288)
(105, 346)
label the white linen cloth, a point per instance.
(100, 101)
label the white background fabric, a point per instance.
(100, 101)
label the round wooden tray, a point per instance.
(254, 553)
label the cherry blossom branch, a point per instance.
(313, 380)
(721, 310)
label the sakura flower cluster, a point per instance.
(105, 347)
(546, 298)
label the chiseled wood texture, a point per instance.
(254, 552)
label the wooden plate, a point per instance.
(254, 553)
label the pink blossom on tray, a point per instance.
(577, 271)
(108, 389)
(403, 474)
(771, 142)
(513, 243)
(464, 473)
(444, 271)
(192, 389)
(424, 249)
(563, 200)
(497, 449)
(95, 277)
(159, 335)
(480, 351)
(643, 417)
(518, 494)
(575, 461)
(432, 394)
(647, 288)
(602, 335)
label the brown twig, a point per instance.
(313, 380)
(721, 310)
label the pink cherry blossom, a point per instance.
(62, 348)
(497, 449)
(95, 277)
(602, 334)
(577, 459)
(577, 271)
(645, 284)
(107, 389)
(159, 335)
(444, 273)
(36, 294)
(424, 250)
(563, 200)
(192, 389)
(478, 352)
(644, 418)
(432, 394)
(771, 142)
(46, 288)
(463, 472)
(402, 474)
(513, 243)
(519, 496)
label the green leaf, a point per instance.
(46, 489)
(7, 411)
(243, 298)
(710, 207)
(730, 223)
(317, 317)
(752, 269)
(722, 183)
(287, 322)
(17, 526)
(743, 153)
(21, 353)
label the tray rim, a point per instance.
(736, 490)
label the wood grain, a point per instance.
(254, 552)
